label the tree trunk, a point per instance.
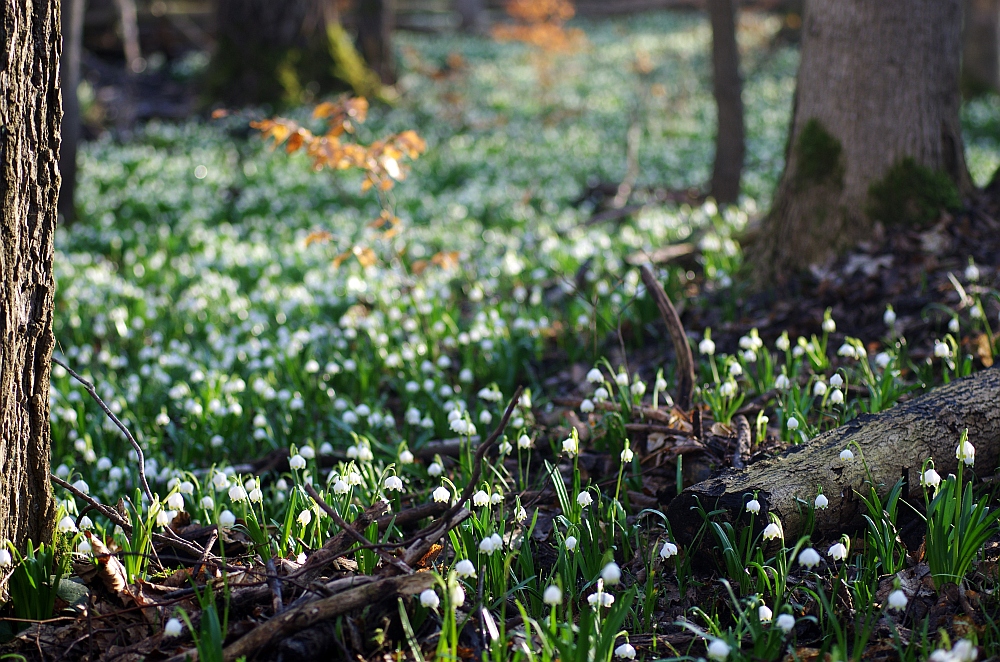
(895, 444)
(29, 190)
(72, 21)
(875, 133)
(376, 21)
(282, 52)
(981, 47)
(472, 15)
(726, 86)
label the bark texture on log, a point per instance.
(727, 88)
(895, 444)
(30, 112)
(877, 82)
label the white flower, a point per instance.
(707, 347)
(837, 552)
(972, 271)
(480, 498)
(809, 557)
(611, 574)
(570, 446)
(764, 613)
(953, 325)
(897, 600)
(176, 501)
(393, 483)
(793, 423)
(782, 343)
(782, 382)
(837, 397)
(553, 595)
(735, 369)
(829, 325)
(66, 525)
(941, 349)
(84, 547)
(435, 469)
(669, 549)
(718, 650)
(819, 389)
(459, 426)
(821, 501)
(82, 486)
(341, 487)
(441, 494)
(505, 448)
(601, 394)
(930, 478)
(627, 455)
(485, 417)
(889, 316)
(587, 406)
(457, 596)
(595, 376)
(786, 622)
(86, 523)
(165, 517)
(848, 350)
(524, 441)
(430, 599)
(305, 517)
(297, 462)
(570, 543)
(846, 455)
(208, 503)
(626, 651)
(237, 493)
(772, 531)
(600, 599)
(465, 569)
(487, 546)
(173, 628)
(5, 559)
(406, 457)
(186, 487)
(753, 506)
(728, 389)
(496, 498)
(584, 499)
(226, 519)
(220, 480)
(966, 452)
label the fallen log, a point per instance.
(895, 443)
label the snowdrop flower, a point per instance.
(553, 595)
(393, 483)
(706, 347)
(837, 397)
(496, 498)
(601, 394)
(848, 350)
(622, 378)
(457, 596)
(441, 494)
(793, 423)
(480, 498)
(735, 369)
(341, 487)
(821, 501)
(627, 455)
(524, 441)
(297, 462)
(226, 519)
(584, 499)
(782, 382)
(308, 452)
(173, 628)
(846, 455)
(829, 326)
(897, 600)
(86, 523)
(406, 457)
(485, 417)
(595, 376)
(837, 552)
(186, 487)
(809, 557)
(669, 549)
(237, 493)
(305, 517)
(505, 448)
(718, 650)
(220, 480)
(753, 506)
(587, 406)
(165, 517)
(611, 574)
(435, 469)
(819, 389)
(84, 547)
(941, 349)
(429, 598)
(571, 446)
(570, 543)
(459, 426)
(953, 327)
(799, 350)
(966, 452)
(889, 316)
(786, 622)
(930, 478)
(207, 503)
(728, 389)
(465, 569)
(626, 651)
(82, 486)
(67, 525)
(176, 501)
(972, 272)
(600, 599)
(772, 531)
(764, 613)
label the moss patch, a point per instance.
(819, 156)
(911, 194)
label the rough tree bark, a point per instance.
(376, 20)
(877, 83)
(727, 88)
(895, 443)
(981, 47)
(29, 189)
(72, 22)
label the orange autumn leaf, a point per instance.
(318, 237)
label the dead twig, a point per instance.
(742, 452)
(685, 362)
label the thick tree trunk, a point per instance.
(726, 86)
(376, 21)
(29, 189)
(877, 84)
(981, 47)
(72, 22)
(472, 15)
(895, 443)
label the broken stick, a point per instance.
(685, 362)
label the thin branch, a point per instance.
(685, 362)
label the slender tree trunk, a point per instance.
(472, 15)
(376, 21)
(72, 21)
(877, 85)
(981, 47)
(727, 87)
(29, 189)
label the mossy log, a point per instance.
(894, 444)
